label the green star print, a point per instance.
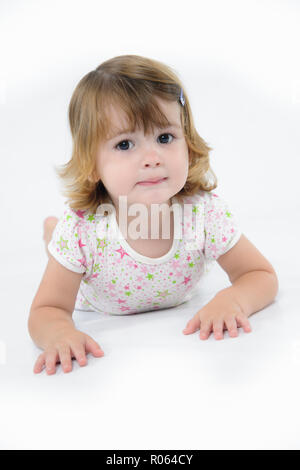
(63, 244)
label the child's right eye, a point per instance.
(122, 142)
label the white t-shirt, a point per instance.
(117, 280)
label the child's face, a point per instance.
(139, 158)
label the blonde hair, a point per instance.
(131, 82)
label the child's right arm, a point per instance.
(50, 321)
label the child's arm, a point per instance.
(50, 322)
(254, 286)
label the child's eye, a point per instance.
(120, 147)
(120, 143)
(165, 135)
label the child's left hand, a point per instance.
(222, 309)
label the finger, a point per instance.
(231, 326)
(79, 354)
(205, 330)
(51, 359)
(244, 322)
(192, 325)
(65, 358)
(93, 347)
(39, 364)
(218, 329)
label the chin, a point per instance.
(156, 199)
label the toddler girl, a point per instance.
(136, 150)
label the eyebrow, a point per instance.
(128, 131)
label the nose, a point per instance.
(151, 159)
(150, 164)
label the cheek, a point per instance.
(118, 176)
(180, 162)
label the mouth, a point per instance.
(152, 182)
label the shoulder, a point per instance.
(78, 218)
(212, 203)
(70, 243)
(76, 226)
(201, 196)
(202, 200)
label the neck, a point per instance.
(157, 222)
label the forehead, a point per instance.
(118, 121)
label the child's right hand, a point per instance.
(65, 345)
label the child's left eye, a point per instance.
(166, 134)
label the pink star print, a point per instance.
(178, 273)
(95, 275)
(80, 243)
(132, 264)
(121, 301)
(123, 308)
(79, 213)
(186, 279)
(214, 249)
(122, 252)
(175, 264)
(82, 261)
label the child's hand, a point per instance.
(222, 309)
(66, 344)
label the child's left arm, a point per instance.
(254, 286)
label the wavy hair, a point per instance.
(132, 83)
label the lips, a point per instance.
(152, 180)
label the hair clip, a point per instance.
(181, 99)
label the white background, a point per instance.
(155, 388)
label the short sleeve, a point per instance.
(67, 242)
(221, 227)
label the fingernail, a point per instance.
(99, 351)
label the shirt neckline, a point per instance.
(138, 256)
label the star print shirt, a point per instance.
(118, 280)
